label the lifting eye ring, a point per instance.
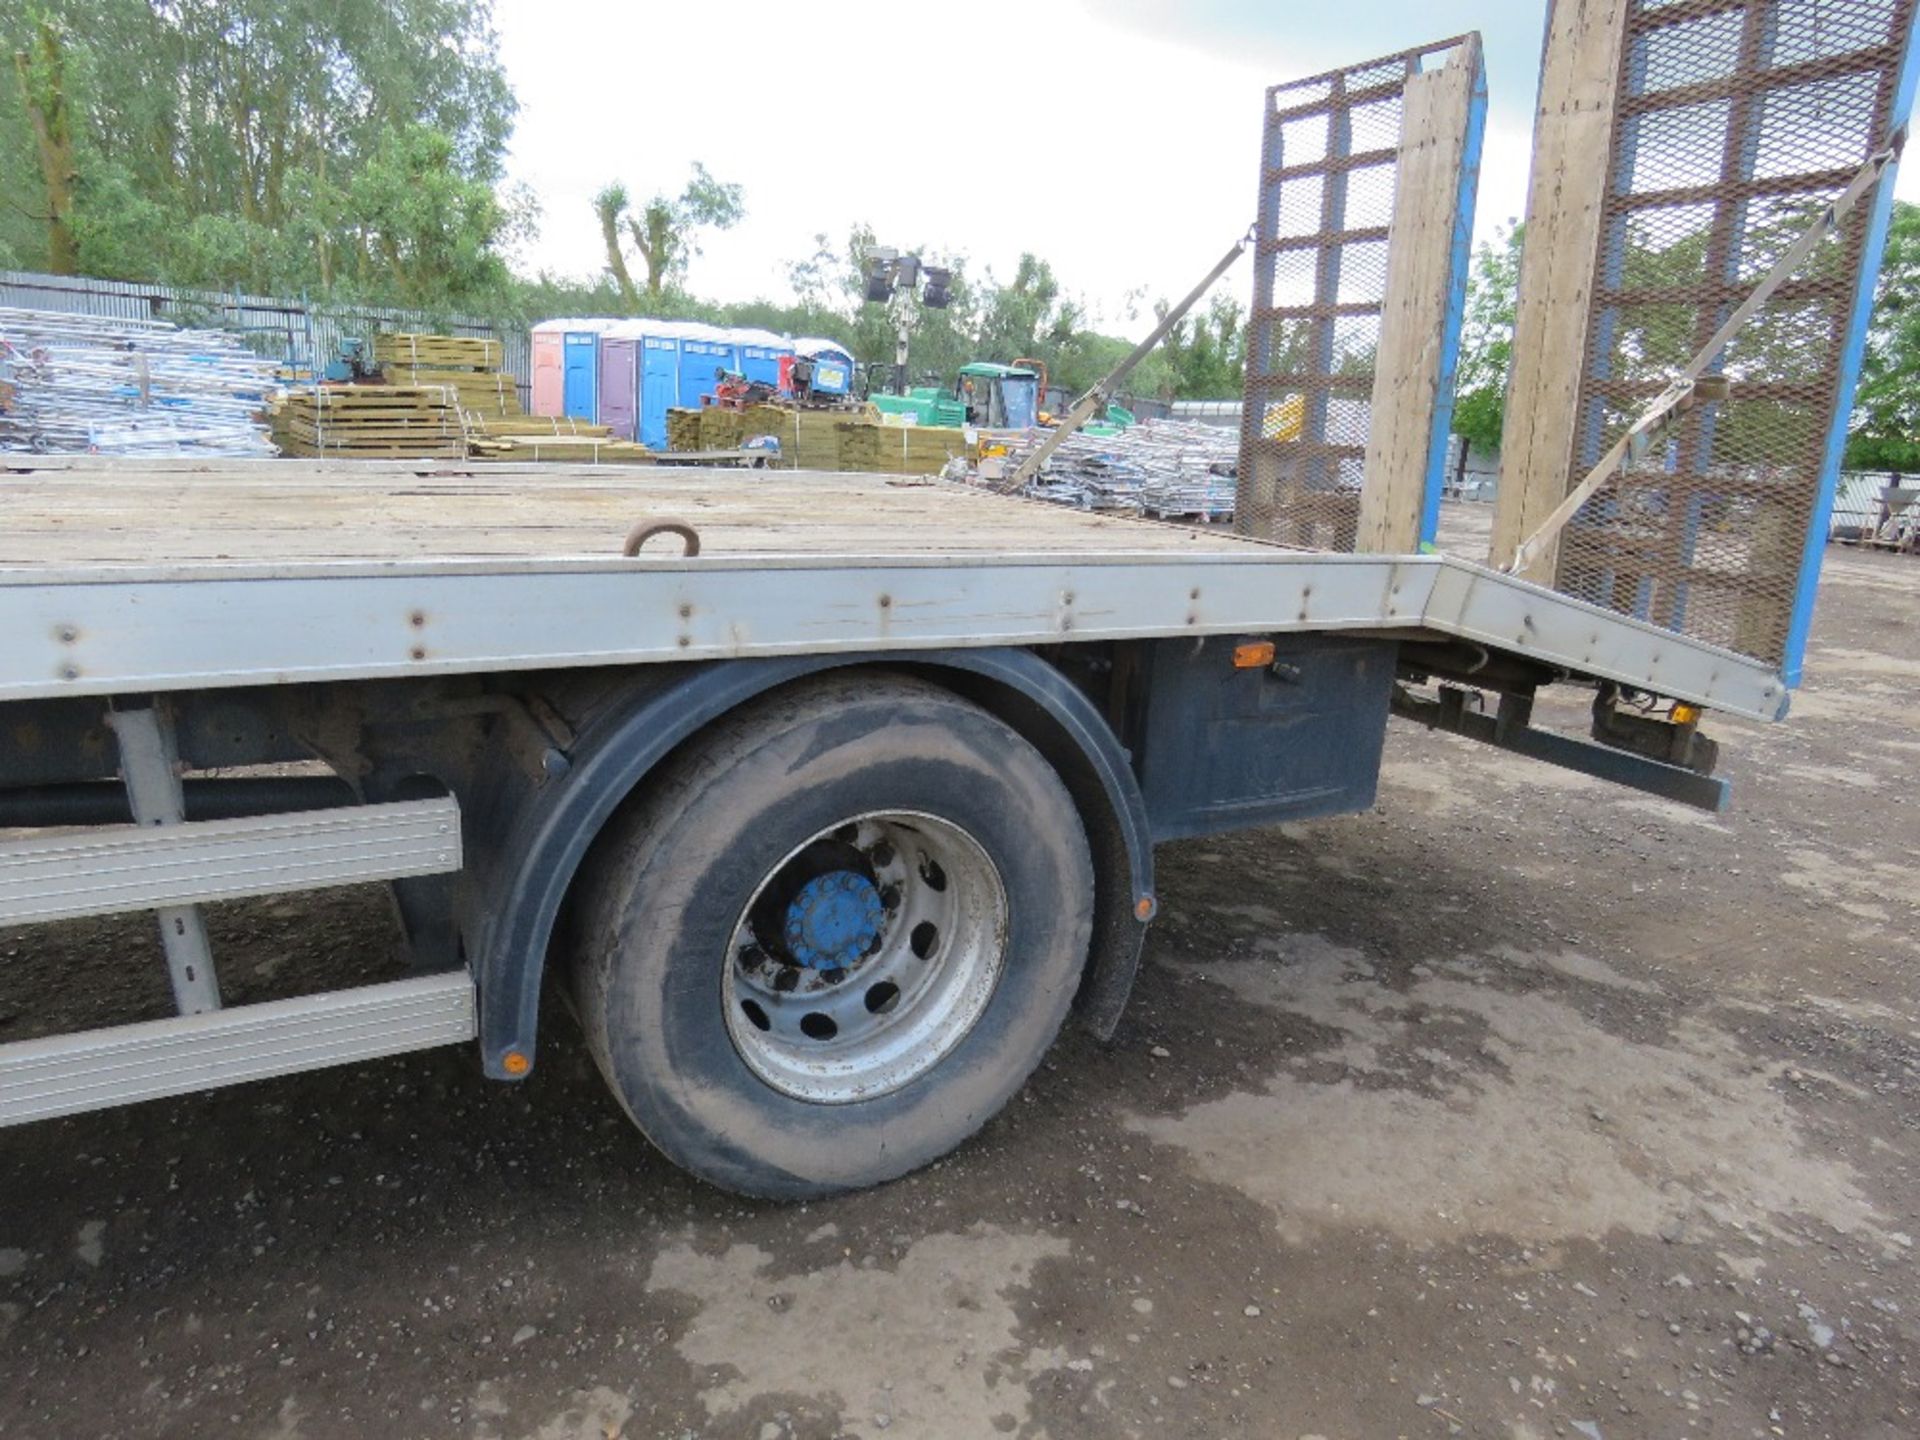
(647, 529)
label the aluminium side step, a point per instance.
(94, 1069)
(63, 877)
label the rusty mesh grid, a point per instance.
(1327, 168)
(1739, 120)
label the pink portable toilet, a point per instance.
(549, 375)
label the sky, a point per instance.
(1117, 140)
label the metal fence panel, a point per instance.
(1738, 122)
(1329, 160)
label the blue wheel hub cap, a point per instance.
(833, 920)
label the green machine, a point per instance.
(989, 396)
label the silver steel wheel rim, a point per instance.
(822, 1013)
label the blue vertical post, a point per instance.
(1853, 352)
(1459, 263)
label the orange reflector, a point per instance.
(1685, 714)
(1144, 908)
(1253, 655)
(514, 1063)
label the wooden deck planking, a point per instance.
(137, 513)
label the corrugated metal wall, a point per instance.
(298, 332)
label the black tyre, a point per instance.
(834, 938)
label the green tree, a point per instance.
(1206, 350)
(222, 141)
(1028, 317)
(40, 67)
(665, 232)
(1885, 432)
(1486, 340)
(608, 208)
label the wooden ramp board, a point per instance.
(66, 513)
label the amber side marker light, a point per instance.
(1254, 655)
(514, 1063)
(1685, 714)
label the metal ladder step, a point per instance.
(61, 877)
(66, 1074)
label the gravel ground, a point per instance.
(1519, 1107)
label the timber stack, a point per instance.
(468, 365)
(371, 422)
(721, 429)
(900, 449)
(683, 428)
(549, 437)
(809, 439)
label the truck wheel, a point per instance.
(835, 938)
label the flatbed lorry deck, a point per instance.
(346, 557)
(826, 807)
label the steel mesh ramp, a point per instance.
(1331, 163)
(1734, 124)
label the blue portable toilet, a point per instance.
(704, 349)
(659, 382)
(580, 372)
(760, 352)
(832, 365)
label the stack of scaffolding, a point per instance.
(91, 383)
(371, 422)
(1166, 468)
(466, 364)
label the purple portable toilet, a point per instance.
(640, 376)
(620, 378)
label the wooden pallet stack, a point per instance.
(469, 365)
(371, 422)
